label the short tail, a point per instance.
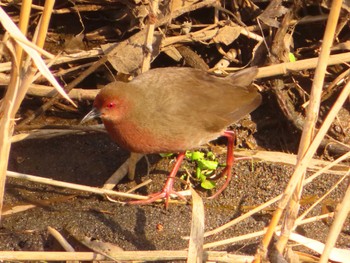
(244, 77)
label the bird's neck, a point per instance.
(129, 136)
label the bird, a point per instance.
(175, 109)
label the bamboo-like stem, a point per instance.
(29, 75)
(128, 167)
(275, 199)
(284, 68)
(310, 122)
(316, 90)
(318, 201)
(16, 91)
(79, 187)
(195, 247)
(300, 168)
(6, 125)
(340, 216)
(44, 25)
(132, 256)
(302, 163)
(262, 232)
(23, 25)
(63, 242)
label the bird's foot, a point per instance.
(156, 196)
(230, 159)
(226, 171)
(165, 193)
(167, 189)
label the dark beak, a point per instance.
(94, 113)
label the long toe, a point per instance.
(226, 171)
(152, 198)
(168, 186)
(157, 196)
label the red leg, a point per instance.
(229, 162)
(168, 187)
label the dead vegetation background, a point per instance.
(300, 47)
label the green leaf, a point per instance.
(208, 172)
(195, 156)
(198, 172)
(292, 58)
(207, 164)
(211, 156)
(207, 184)
(202, 177)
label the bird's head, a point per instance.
(110, 105)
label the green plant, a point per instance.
(206, 166)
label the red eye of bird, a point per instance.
(110, 105)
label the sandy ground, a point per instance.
(90, 159)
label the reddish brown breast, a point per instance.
(133, 138)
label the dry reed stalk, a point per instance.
(60, 59)
(311, 150)
(132, 256)
(78, 8)
(44, 25)
(309, 126)
(262, 232)
(309, 153)
(128, 167)
(337, 254)
(51, 133)
(7, 106)
(341, 213)
(18, 86)
(63, 242)
(63, 72)
(275, 199)
(216, 13)
(195, 247)
(23, 24)
(133, 189)
(49, 256)
(290, 159)
(318, 201)
(79, 187)
(327, 122)
(49, 92)
(305, 155)
(302, 21)
(268, 71)
(7, 113)
(284, 68)
(84, 188)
